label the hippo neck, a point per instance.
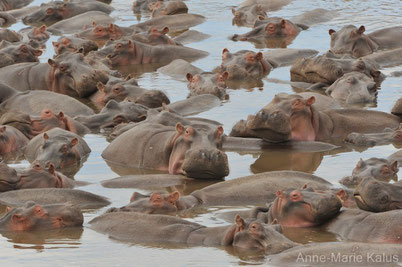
(212, 236)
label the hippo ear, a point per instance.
(310, 101)
(341, 194)
(274, 221)
(279, 194)
(225, 75)
(360, 164)
(174, 197)
(225, 51)
(239, 221)
(361, 30)
(219, 132)
(38, 52)
(100, 86)
(3, 129)
(233, 11)
(394, 166)
(94, 23)
(283, 23)
(42, 28)
(189, 77)
(45, 136)
(60, 116)
(51, 169)
(128, 77)
(8, 209)
(112, 104)
(51, 62)
(304, 186)
(18, 218)
(165, 30)
(74, 142)
(112, 27)
(55, 44)
(179, 127)
(130, 44)
(259, 56)
(331, 31)
(261, 17)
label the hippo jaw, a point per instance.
(205, 164)
(273, 127)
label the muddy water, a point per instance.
(86, 247)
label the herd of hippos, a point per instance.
(43, 122)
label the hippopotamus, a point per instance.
(55, 11)
(11, 139)
(142, 5)
(364, 226)
(33, 216)
(34, 102)
(271, 5)
(133, 52)
(246, 16)
(12, 54)
(388, 136)
(114, 113)
(6, 5)
(64, 149)
(119, 89)
(353, 40)
(327, 69)
(377, 196)
(397, 108)
(208, 83)
(67, 74)
(244, 65)
(161, 8)
(79, 22)
(73, 44)
(273, 32)
(194, 151)
(37, 36)
(154, 37)
(103, 32)
(353, 87)
(35, 176)
(378, 168)
(286, 119)
(78, 198)
(150, 229)
(10, 36)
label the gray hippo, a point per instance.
(388, 136)
(208, 83)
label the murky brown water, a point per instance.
(86, 247)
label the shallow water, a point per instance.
(86, 247)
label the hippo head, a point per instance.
(71, 44)
(353, 87)
(244, 65)
(125, 111)
(208, 83)
(377, 168)
(253, 235)
(159, 37)
(286, 117)
(304, 208)
(397, 108)
(156, 203)
(101, 32)
(247, 16)
(60, 152)
(116, 89)
(351, 40)
(63, 45)
(196, 152)
(150, 99)
(122, 53)
(39, 34)
(48, 120)
(376, 196)
(63, 215)
(11, 36)
(69, 74)
(8, 178)
(36, 176)
(48, 13)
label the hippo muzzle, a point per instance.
(206, 164)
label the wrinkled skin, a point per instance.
(103, 32)
(155, 37)
(193, 151)
(114, 113)
(13, 54)
(161, 8)
(297, 119)
(11, 140)
(376, 196)
(132, 53)
(246, 16)
(363, 226)
(244, 65)
(119, 89)
(353, 40)
(274, 32)
(71, 44)
(62, 148)
(377, 168)
(33, 216)
(304, 208)
(388, 136)
(58, 10)
(327, 69)
(6, 5)
(208, 83)
(352, 88)
(10, 36)
(244, 234)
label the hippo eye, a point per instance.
(116, 90)
(37, 167)
(63, 68)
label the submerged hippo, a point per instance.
(377, 196)
(247, 15)
(379, 169)
(155, 37)
(388, 136)
(194, 151)
(353, 40)
(297, 119)
(11, 140)
(208, 83)
(161, 8)
(33, 216)
(67, 74)
(245, 234)
(73, 44)
(102, 32)
(62, 148)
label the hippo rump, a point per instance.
(33, 216)
(35, 176)
(353, 40)
(62, 148)
(67, 74)
(194, 151)
(11, 140)
(297, 119)
(150, 229)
